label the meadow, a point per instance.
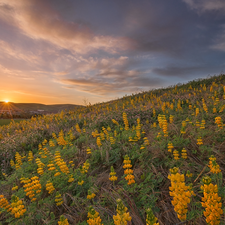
(8, 121)
(155, 157)
(35, 106)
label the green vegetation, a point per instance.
(153, 156)
(8, 121)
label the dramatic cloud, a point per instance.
(106, 49)
(38, 20)
(219, 41)
(217, 8)
(109, 76)
(125, 83)
(206, 5)
(184, 72)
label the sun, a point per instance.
(6, 101)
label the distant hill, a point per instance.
(36, 106)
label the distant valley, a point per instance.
(26, 110)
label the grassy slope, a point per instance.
(151, 164)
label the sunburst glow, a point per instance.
(6, 101)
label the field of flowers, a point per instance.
(156, 157)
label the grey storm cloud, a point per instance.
(121, 83)
(181, 71)
(159, 38)
(206, 5)
(177, 71)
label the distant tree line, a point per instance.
(21, 115)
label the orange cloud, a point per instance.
(38, 20)
(11, 51)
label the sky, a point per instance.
(80, 51)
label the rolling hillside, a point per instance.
(157, 157)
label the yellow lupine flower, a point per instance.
(49, 187)
(63, 221)
(122, 215)
(211, 202)
(127, 165)
(18, 208)
(14, 188)
(125, 120)
(94, 218)
(150, 219)
(90, 195)
(184, 153)
(113, 176)
(176, 154)
(58, 199)
(57, 174)
(214, 167)
(80, 182)
(4, 203)
(88, 150)
(180, 192)
(99, 142)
